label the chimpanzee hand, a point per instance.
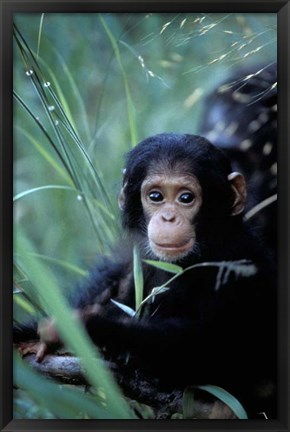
(48, 337)
(48, 334)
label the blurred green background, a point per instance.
(87, 88)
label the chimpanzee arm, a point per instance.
(104, 282)
(185, 340)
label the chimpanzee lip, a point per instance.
(176, 247)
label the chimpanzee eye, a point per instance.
(156, 196)
(186, 198)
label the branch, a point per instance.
(135, 386)
(65, 368)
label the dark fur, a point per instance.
(192, 333)
(243, 101)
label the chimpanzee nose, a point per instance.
(168, 216)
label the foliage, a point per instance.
(87, 87)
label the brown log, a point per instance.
(66, 369)
(135, 386)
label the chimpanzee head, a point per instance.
(171, 182)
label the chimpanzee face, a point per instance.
(170, 203)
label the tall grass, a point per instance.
(107, 397)
(72, 161)
(67, 145)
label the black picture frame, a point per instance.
(8, 8)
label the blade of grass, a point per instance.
(41, 188)
(75, 90)
(171, 268)
(80, 166)
(129, 311)
(227, 398)
(92, 170)
(66, 122)
(138, 277)
(39, 35)
(63, 402)
(61, 100)
(188, 403)
(72, 332)
(46, 155)
(64, 188)
(24, 304)
(130, 105)
(243, 267)
(50, 140)
(28, 57)
(64, 264)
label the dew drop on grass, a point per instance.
(56, 122)
(51, 108)
(46, 84)
(79, 198)
(29, 72)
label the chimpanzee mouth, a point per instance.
(176, 247)
(172, 252)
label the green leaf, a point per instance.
(138, 277)
(124, 308)
(130, 105)
(155, 291)
(142, 410)
(24, 304)
(177, 416)
(171, 268)
(47, 156)
(41, 188)
(64, 403)
(72, 332)
(188, 403)
(64, 264)
(65, 141)
(39, 34)
(227, 398)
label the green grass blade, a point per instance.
(71, 151)
(171, 268)
(46, 155)
(24, 304)
(227, 398)
(138, 277)
(77, 94)
(65, 188)
(155, 291)
(41, 188)
(64, 264)
(129, 311)
(39, 35)
(68, 162)
(63, 402)
(188, 403)
(47, 135)
(130, 106)
(72, 332)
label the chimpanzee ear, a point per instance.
(238, 184)
(121, 199)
